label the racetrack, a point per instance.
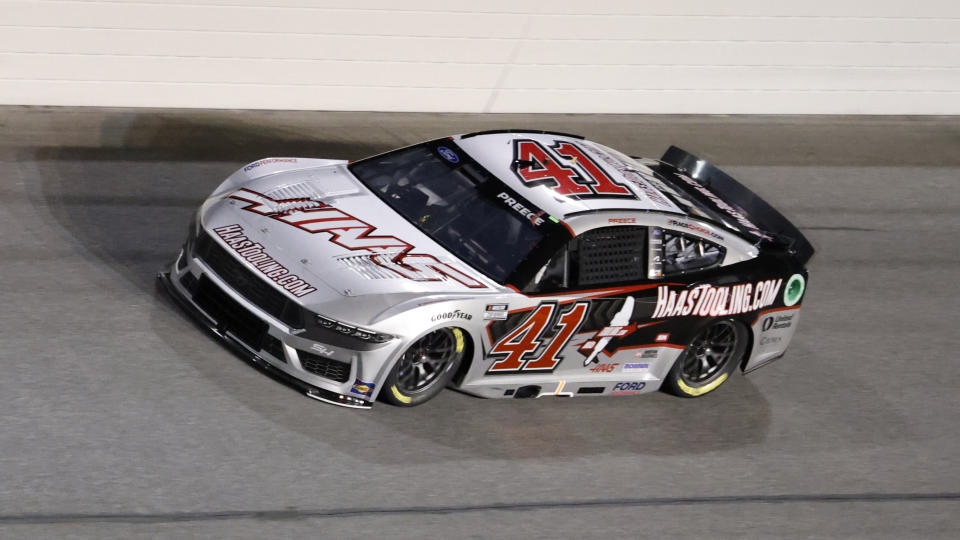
(122, 419)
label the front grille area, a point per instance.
(247, 283)
(327, 368)
(229, 314)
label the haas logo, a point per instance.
(354, 234)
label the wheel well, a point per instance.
(749, 349)
(468, 356)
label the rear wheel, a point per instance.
(708, 361)
(425, 368)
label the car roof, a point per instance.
(628, 183)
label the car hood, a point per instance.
(320, 236)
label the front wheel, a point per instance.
(708, 361)
(425, 368)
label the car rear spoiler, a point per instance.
(767, 219)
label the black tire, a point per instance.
(425, 368)
(708, 361)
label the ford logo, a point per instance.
(448, 154)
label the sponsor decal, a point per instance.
(496, 312)
(256, 255)
(662, 338)
(353, 234)
(605, 368)
(362, 388)
(622, 220)
(262, 162)
(723, 205)
(777, 322)
(635, 177)
(766, 340)
(320, 349)
(536, 218)
(693, 227)
(710, 301)
(537, 165)
(450, 315)
(448, 154)
(655, 253)
(767, 324)
(626, 388)
(648, 353)
(794, 290)
(634, 366)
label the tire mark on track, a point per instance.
(297, 514)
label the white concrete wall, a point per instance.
(640, 56)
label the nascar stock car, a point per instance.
(505, 264)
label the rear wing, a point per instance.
(743, 205)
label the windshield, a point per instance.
(463, 207)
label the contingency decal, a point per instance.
(496, 312)
(535, 164)
(710, 301)
(362, 388)
(254, 253)
(516, 349)
(354, 234)
(794, 290)
(627, 388)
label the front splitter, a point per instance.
(252, 358)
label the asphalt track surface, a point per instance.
(121, 419)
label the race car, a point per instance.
(503, 264)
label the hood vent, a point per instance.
(364, 266)
(314, 187)
(300, 190)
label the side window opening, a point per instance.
(680, 253)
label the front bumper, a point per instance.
(276, 356)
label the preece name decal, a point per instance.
(535, 218)
(254, 254)
(354, 234)
(707, 300)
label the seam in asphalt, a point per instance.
(297, 514)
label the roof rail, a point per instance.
(539, 131)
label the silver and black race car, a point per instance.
(505, 264)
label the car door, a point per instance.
(585, 304)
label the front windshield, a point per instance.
(463, 207)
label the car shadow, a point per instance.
(454, 425)
(127, 198)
